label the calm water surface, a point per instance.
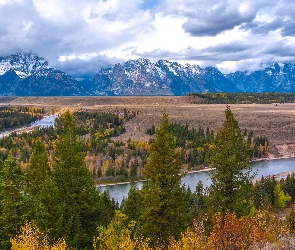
(46, 121)
(262, 168)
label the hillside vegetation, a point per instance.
(48, 194)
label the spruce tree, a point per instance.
(231, 178)
(132, 206)
(163, 199)
(42, 197)
(38, 169)
(77, 192)
(11, 202)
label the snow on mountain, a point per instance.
(142, 77)
(24, 64)
(276, 77)
(28, 74)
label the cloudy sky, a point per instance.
(81, 36)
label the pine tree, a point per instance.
(163, 199)
(11, 201)
(77, 192)
(132, 206)
(231, 179)
(42, 197)
(38, 169)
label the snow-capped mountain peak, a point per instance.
(24, 64)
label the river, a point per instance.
(46, 121)
(118, 191)
(261, 168)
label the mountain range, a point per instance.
(27, 74)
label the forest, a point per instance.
(12, 117)
(243, 98)
(49, 198)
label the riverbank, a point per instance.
(276, 153)
(281, 151)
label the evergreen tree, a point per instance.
(231, 179)
(11, 201)
(38, 169)
(132, 206)
(163, 199)
(42, 197)
(77, 192)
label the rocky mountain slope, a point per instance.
(276, 77)
(28, 75)
(142, 77)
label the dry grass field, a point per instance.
(277, 122)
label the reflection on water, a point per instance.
(262, 168)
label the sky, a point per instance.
(82, 36)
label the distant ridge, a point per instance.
(27, 74)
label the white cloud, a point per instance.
(230, 34)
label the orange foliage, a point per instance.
(231, 232)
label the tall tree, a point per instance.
(77, 192)
(231, 178)
(42, 199)
(163, 199)
(11, 201)
(133, 204)
(38, 169)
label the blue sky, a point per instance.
(80, 37)
(149, 4)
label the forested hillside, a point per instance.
(48, 194)
(11, 117)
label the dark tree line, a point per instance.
(243, 98)
(11, 117)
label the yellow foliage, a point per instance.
(193, 238)
(200, 149)
(32, 239)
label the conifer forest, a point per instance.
(49, 177)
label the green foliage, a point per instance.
(132, 205)
(288, 185)
(77, 192)
(259, 147)
(280, 198)
(291, 218)
(231, 179)
(264, 192)
(11, 199)
(117, 235)
(42, 198)
(11, 117)
(244, 98)
(163, 199)
(38, 169)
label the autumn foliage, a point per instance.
(31, 238)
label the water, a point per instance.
(262, 168)
(45, 122)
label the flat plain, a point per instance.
(276, 121)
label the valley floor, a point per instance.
(276, 121)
